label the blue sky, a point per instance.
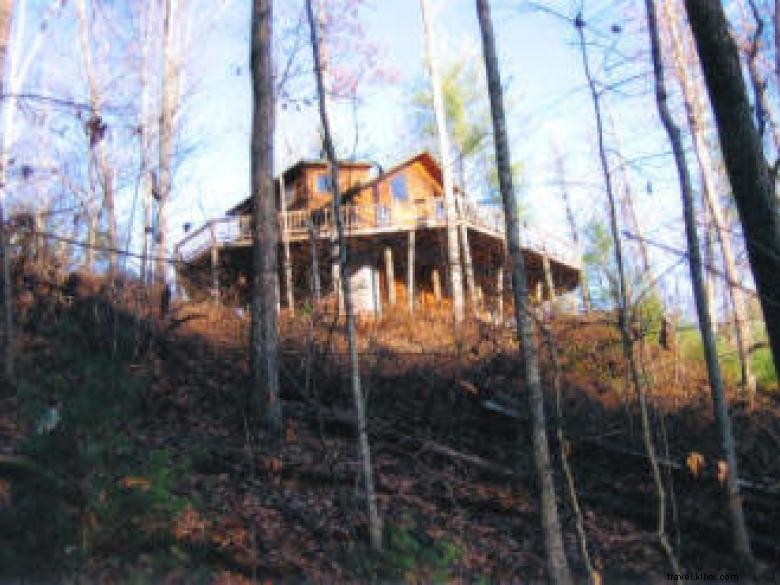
(543, 79)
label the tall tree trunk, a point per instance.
(560, 170)
(557, 564)
(145, 143)
(625, 334)
(710, 286)
(453, 253)
(777, 40)
(751, 180)
(374, 521)
(695, 112)
(168, 100)
(627, 201)
(6, 16)
(739, 528)
(265, 274)
(96, 128)
(751, 48)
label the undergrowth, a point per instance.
(90, 482)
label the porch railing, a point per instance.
(376, 218)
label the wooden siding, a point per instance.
(349, 176)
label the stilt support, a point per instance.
(390, 276)
(410, 272)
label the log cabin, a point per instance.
(396, 228)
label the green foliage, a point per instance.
(649, 312)
(414, 557)
(469, 125)
(598, 258)
(762, 363)
(102, 489)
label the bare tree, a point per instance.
(560, 171)
(6, 14)
(627, 341)
(751, 179)
(453, 252)
(751, 48)
(146, 138)
(777, 40)
(374, 521)
(557, 564)
(695, 112)
(739, 528)
(265, 277)
(169, 91)
(96, 129)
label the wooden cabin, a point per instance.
(396, 228)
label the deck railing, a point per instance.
(376, 218)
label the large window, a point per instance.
(324, 183)
(399, 188)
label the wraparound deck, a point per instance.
(367, 220)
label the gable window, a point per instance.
(399, 188)
(324, 183)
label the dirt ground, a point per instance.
(449, 430)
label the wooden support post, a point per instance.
(436, 284)
(214, 265)
(376, 285)
(315, 264)
(539, 292)
(390, 276)
(286, 260)
(410, 271)
(215, 274)
(500, 295)
(548, 278)
(335, 271)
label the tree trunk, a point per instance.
(751, 47)
(627, 203)
(6, 16)
(748, 170)
(96, 127)
(575, 232)
(623, 325)
(741, 540)
(777, 40)
(695, 111)
(556, 557)
(265, 274)
(168, 99)
(145, 146)
(374, 521)
(453, 253)
(468, 265)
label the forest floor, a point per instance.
(127, 453)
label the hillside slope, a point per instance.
(127, 453)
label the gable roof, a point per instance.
(291, 173)
(424, 157)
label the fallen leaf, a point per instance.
(133, 482)
(723, 472)
(695, 463)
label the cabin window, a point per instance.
(440, 211)
(324, 183)
(399, 188)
